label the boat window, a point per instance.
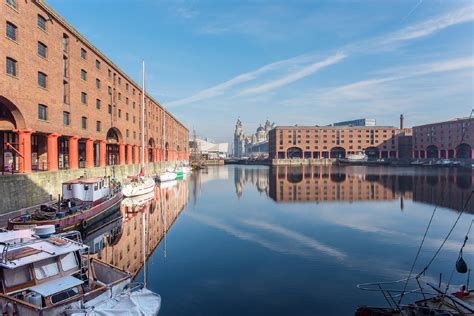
(14, 277)
(69, 261)
(86, 187)
(64, 295)
(69, 187)
(46, 268)
(96, 187)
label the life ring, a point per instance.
(84, 224)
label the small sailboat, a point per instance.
(141, 184)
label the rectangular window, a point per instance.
(42, 79)
(119, 96)
(11, 31)
(97, 64)
(42, 112)
(83, 74)
(42, 49)
(12, 3)
(97, 83)
(66, 121)
(109, 109)
(126, 101)
(126, 134)
(11, 66)
(84, 98)
(110, 73)
(126, 116)
(119, 81)
(97, 126)
(126, 87)
(119, 113)
(65, 67)
(66, 92)
(84, 122)
(41, 22)
(83, 53)
(65, 43)
(97, 104)
(69, 262)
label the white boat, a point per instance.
(53, 275)
(139, 200)
(167, 184)
(138, 186)
(187, 170)
(360, 156)
(167, 176)
(141, 184)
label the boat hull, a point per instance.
(146, 187)
(78, 220)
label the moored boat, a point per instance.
(83, 202)
(139, 185)
(167, 176)
(53, 275)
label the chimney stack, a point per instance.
(401, 121)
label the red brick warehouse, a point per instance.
(65, 105)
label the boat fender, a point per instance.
(84, 224)
(461, 266)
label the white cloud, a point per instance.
(297, 75)
(431, 26)
(244, 77)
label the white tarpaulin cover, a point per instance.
(142, 302)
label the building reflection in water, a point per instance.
(119, 240)
(445, 187)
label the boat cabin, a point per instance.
(87, 190)
(40, 272)
(45, 276)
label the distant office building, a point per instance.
(358, 122)
(209, 149)
(251, 145)
(448, 139)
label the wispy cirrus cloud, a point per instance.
(306, 65)
(294, 76)
(368, 88)
(221, 88)
(428, 27)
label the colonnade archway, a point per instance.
(294, 153)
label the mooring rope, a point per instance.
(447, 236)
(417, 254)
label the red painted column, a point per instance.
(147, 154)
(122, 154)
(135, 154)
(74, 152)
(129, 155)
(53, 152)
(90, 153)
(155, 154)
(472, 153)
(24, 141)
(396, 154)
(439, 154)
(102, 153)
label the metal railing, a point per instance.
(72, 236)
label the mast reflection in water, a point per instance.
(119, 240)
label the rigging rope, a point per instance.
(447, 236)
(417, 254)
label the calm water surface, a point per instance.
(238, 240)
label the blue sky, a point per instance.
(293, 62)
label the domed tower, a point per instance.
(261, 135)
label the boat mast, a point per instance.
(143, 115)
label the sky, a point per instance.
(291, 62)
